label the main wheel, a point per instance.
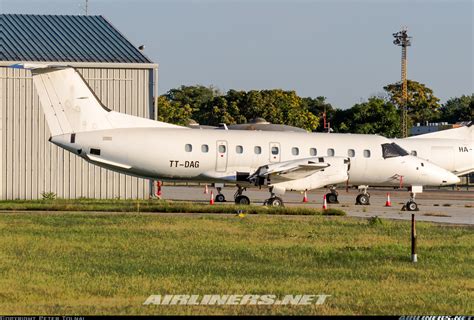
(362, 199)
(242, 200)
(331, 198)
(275, 202)
(411, 206)
(220, 197)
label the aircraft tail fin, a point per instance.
(461, 133)
(70, 105)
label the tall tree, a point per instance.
(458, 109)
(318, 106)
(376, 116)
(173, 112)
(194, 96)
(422, 105)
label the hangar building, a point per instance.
(122, 77)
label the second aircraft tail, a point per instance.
(461, 133)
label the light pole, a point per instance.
(403, 40)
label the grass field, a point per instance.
(155, 206)
(77, 263)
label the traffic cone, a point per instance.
(211, 201)
(325, 203)
(305, 197)
(206, 189)
(388, 203)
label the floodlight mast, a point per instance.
(403, 40)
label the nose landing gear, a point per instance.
(411, 205)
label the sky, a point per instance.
(338, 49)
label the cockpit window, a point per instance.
(390, 150)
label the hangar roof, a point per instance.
(64, 38)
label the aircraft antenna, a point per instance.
(403, 40)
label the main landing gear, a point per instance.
(364, 197)
(274, 201)
(239, 198)
(331, 197)
(219, 196)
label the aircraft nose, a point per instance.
(451, 179)
(440, 176)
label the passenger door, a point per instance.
(221, 156)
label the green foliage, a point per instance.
(422, 105)
(48, 195)
(173, 112)
(457, 109)
(209, 107)
(376, 116)
(155, 206)
(375, 220)
(194, 96)
(318, 106)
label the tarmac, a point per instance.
(441, 206)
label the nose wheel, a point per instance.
(411, 205)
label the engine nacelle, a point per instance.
(336, 172)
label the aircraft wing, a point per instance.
(289, 170)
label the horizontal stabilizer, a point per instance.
(461, 133)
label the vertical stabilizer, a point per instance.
(68, 103)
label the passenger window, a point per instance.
(275, 150)
(239, 149)
(351, 153)
(414, 153)
(222, 148)
(295, 151)
(205, 148)
(331, 152)
(188, 148)
(313, 151)
(257, 150)
(367, 153)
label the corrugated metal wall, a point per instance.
(30, 165)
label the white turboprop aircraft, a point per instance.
(451, 149)
(278, 160)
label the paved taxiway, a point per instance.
(444, 206)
